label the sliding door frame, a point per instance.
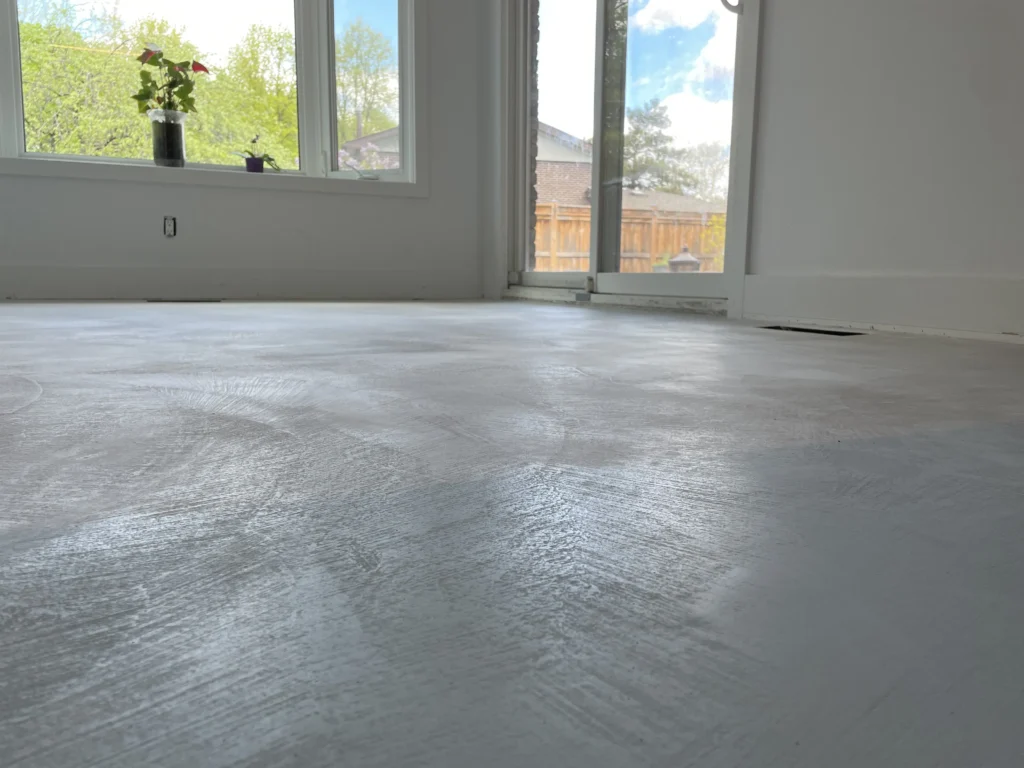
(601, 278)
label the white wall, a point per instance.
(889, 173)
(63, 238)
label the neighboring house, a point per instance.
(564, 171)
(377, 151)
(555, 146)
(565, 177)
(656, 226)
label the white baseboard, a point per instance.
(137, 283)
(715, 307)
(966, 307)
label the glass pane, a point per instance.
(666, 129)
(367, 84)
(79, 73)
(565, 124)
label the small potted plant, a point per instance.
(167, 96)
(255, 160)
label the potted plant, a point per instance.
(255, 160)
(167, 96)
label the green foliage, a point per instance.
(367, 85)
(649, 159)
(78, 75)
(172, 87)
(708, 167)
(254, 152)
(255, 93)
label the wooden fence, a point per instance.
(649, 239)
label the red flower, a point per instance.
(147, 55)
(197, 67)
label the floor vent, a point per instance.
(819, 331)
(184, 301)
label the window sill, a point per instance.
(200, 176)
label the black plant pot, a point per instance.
(254, 164)
(168, 138)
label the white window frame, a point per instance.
(314, 64)
(728, 285)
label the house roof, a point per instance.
(377, 139)
(570, 183)
(553, 144)
(667, 201)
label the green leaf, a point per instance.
(185, 89)
(75, 103)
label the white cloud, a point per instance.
(565, 71)
(659, 15)
(213, 25)
(566, 67)
(695, 120)
(720, 52)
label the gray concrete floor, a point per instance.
(503, 535)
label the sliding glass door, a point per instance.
(644, 203)
(563, 123)
(666, 130)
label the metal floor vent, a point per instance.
(819, 331)
(184, 301)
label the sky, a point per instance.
(216, 25)
(680, 51)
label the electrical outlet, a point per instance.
(170, 226)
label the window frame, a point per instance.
(601, 278)
(314, 65)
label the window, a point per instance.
(327, 85)
(367, 85)
(667, 114)
(666, 134)
(566, 31)
(632, 138)
(79, 69)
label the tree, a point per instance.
(74, 91)
(707, 165)
(78, 75)
(367, 82)
(255, 94)
(79, 71)
(650, 161)
(33, 11)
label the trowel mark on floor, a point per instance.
(367, 559)
(17, 393)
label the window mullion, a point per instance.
(12, 127)
(310, 43)
(407, 87)
(329, 88)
